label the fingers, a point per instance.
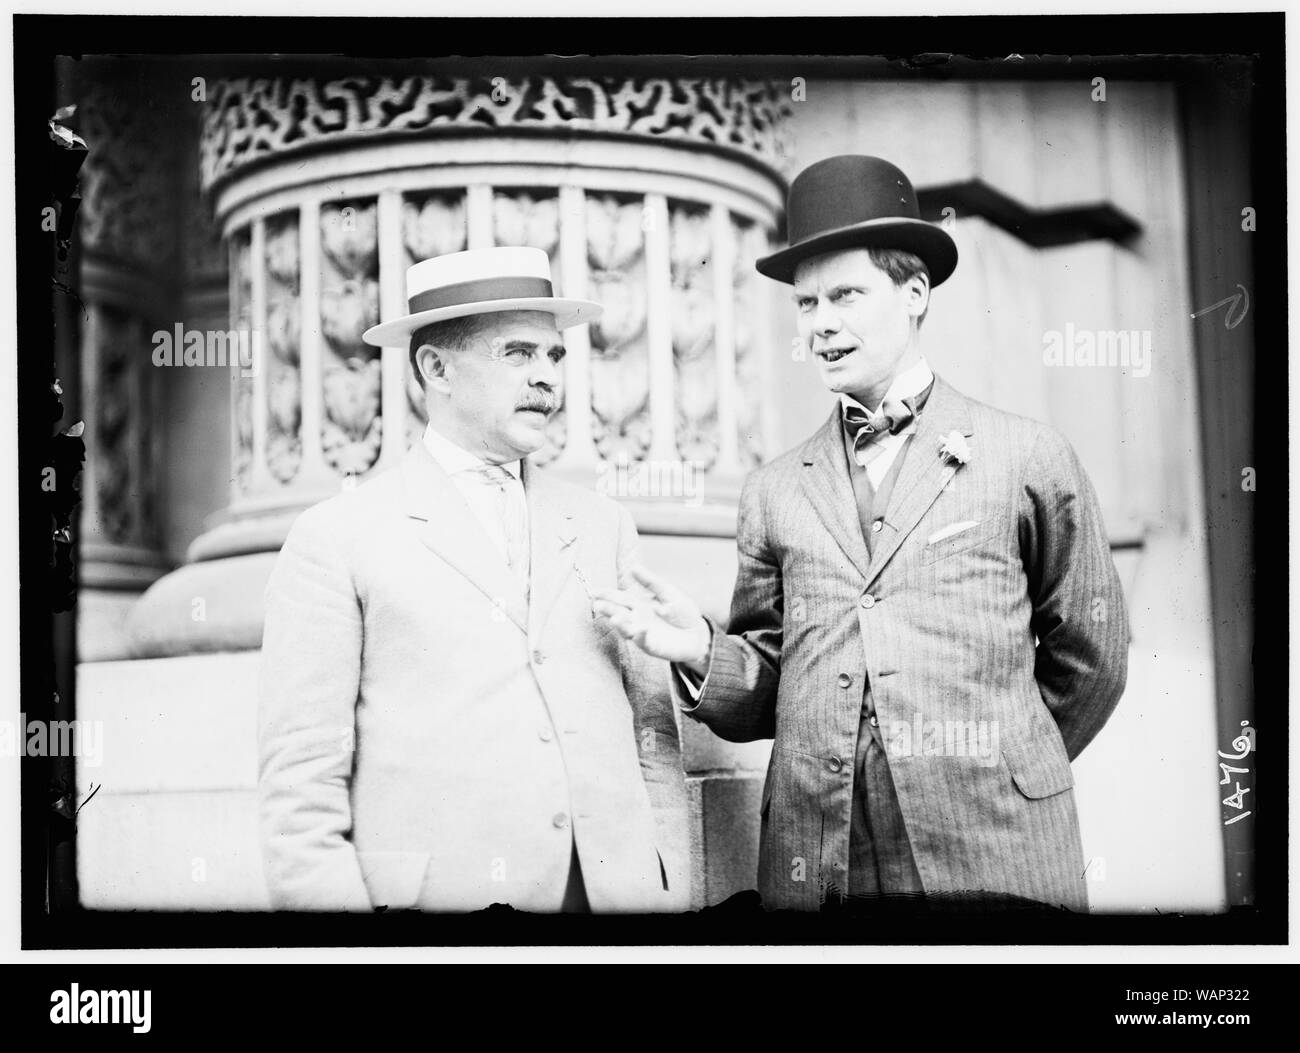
(625, 622)
(610, 609)
(620, 598)
(657, 586)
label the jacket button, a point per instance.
(539, 657)
(561, 820)
(868, 601)
(845, 680)
(544, 734)
(875, 527)
(873, 721)
(835, 764)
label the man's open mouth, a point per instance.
(835, 354)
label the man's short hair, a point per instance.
(451, 334)
(901, 267)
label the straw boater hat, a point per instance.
(479, 281)
(850, 202)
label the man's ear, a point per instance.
(432, 363)
(918, 295)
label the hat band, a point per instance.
(478, 291)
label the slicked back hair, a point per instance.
(453, 334)
(901, 267)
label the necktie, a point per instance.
(514, 517)
(894, 417)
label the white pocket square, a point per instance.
(950, 530)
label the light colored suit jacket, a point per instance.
(989, 614)
(431, 738)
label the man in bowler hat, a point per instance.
(926, 618)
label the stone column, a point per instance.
(127, 239)
(651, 196)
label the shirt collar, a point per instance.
(453, 459)
(912, 381)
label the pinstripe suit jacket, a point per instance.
(988, 624)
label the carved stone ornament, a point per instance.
(252, 119)
(127, 182)
(349, 266)
(284, 386)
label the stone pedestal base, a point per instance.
(173, 825)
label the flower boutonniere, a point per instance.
(953, 448)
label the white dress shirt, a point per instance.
(912, 381)
(466, 470)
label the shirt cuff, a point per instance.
(685, 688)
(687, 681)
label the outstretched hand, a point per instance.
(661, 620)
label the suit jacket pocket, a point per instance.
(958, 542)
(1039, 765)
(393, 879)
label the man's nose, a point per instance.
(825, 319)
(544, 372)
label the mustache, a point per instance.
(542, 405)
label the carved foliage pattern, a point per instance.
(126, 180)
(695, 367)
(250, 119)
(241, 313)
(620, 364)
(119, 338)
(352, 428)
(125, 469)
(283, 324)
(435, 224)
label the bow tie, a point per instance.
(894, 417)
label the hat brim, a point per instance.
(398, 332)
(932, 243)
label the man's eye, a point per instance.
(844, 294)
(805, 304)
(557, 357)
(517, 352)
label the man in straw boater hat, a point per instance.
(926, 617)
(444, 723)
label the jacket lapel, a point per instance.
(830, 490)
(924, 472)
(449, 529)
(554, 546)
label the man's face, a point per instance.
(504, 385)
(856, 322)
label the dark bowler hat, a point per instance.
(850, 202)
